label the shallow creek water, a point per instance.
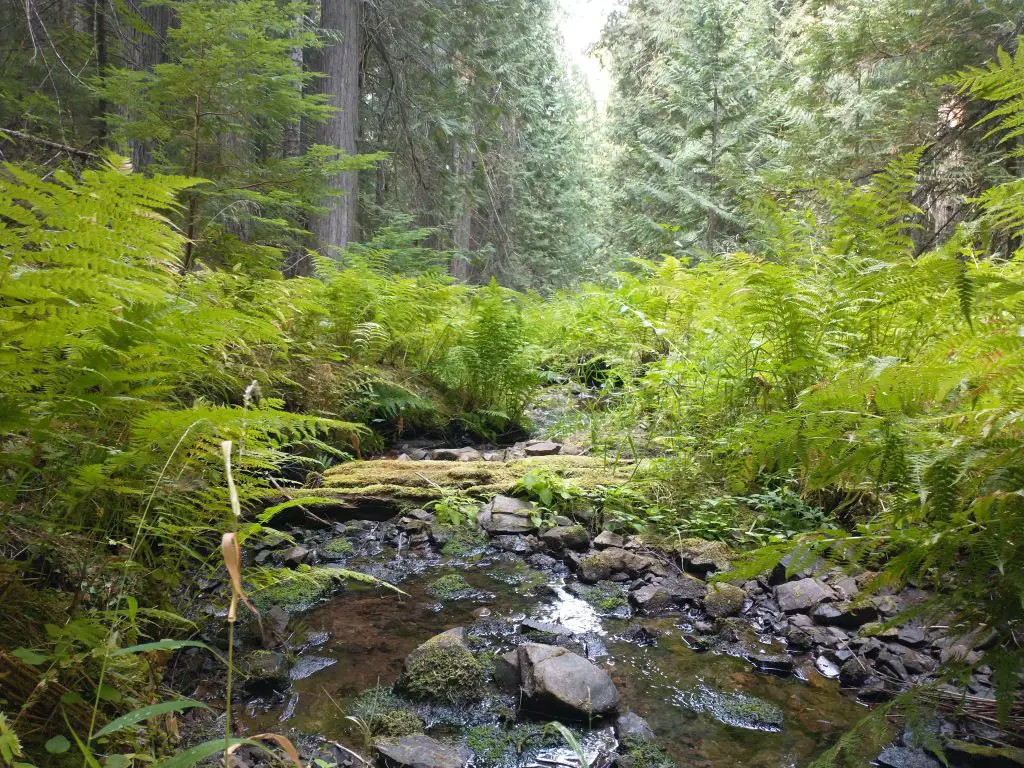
(678, 690)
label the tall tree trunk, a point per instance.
(147, 52)
(462, 227)
(337, 227)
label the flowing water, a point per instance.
(709, 709)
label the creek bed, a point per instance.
(709, 709)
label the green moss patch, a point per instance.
(606, 597)
(385, 714)
(296, 590)
(338, 547)
(443, 669)
(449, 587)
(460, 541)
(423, 481)
(644, 754)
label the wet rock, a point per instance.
(507, 515)
(629, 726)
(607, 539)
(542, 448)
(826, 667)
(506, 671)
(419, 751)
(640, 636)
(668, 593)
(845, 615)
(541, 561)
(544, 628)
(802, 595)
(605, 563)
(296, 556)
(800, 639)
(566, 537)
(443, 669)
(723, 600)
(703, 557)
(904, 757)
(874, 689)
(456, 454)
(520, 545)
(494, 455)
(310, 665)
(890, 663)
(737, 709)
(912, 637)
(557, 682)
(265, 669)
(854, 672)
(914, 663)
(776, 663)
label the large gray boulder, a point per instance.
(566, 537)
(507, 515)
(419, 751)
(557, 682)
(602, 565)
(803, 595)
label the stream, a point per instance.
(698, 702)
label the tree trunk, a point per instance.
(337, 227)
(147, 52)
(462, 227)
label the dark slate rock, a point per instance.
(802, 595)
(776, 663)
(912, 637)
(904, 757)
(846, 615)
(421, 751)
(854, 672)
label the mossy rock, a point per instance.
(966, 753)
(607, 598)
(421, 481)
(703, 556)
(449, 587)
(724, 600)
(298, 590)
(385, 714)
(443, 669)
(338, 547)
(459, 541)
(750, 712)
